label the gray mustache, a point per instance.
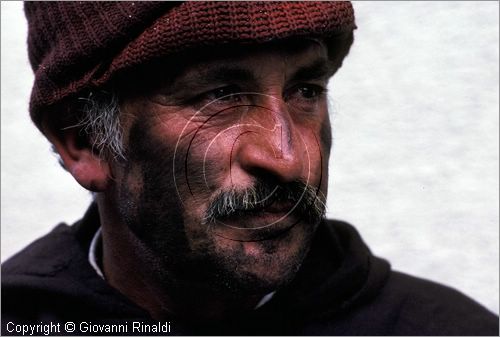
(307, 202)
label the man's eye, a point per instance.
(225, 94)
(305, 96)
(310, 91)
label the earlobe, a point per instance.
(88, 169)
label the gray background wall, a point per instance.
(415, 162)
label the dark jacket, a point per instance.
(341, 289)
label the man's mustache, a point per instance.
(299, 198)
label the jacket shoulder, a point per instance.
(43, 257)
(31, 278)
(429, 308)
(55, 251)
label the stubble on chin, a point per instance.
(180, 251)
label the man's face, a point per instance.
(226, 166)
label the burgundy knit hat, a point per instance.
(75, 46)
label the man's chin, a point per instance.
(220, 262)
(264, 265)
(255, 279)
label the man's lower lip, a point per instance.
(258, 227)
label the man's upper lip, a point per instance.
(276, 210)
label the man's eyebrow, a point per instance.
(319, 69)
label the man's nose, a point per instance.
(271, 146)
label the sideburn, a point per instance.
(326, 136)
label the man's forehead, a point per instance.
(233, 61)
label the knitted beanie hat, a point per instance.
(74, 46)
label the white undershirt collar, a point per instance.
(96, 241)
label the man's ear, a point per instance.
(88, 169)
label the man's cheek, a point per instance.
(204, 168)
(203, 155)
(319, 140)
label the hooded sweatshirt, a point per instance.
(341, 289)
